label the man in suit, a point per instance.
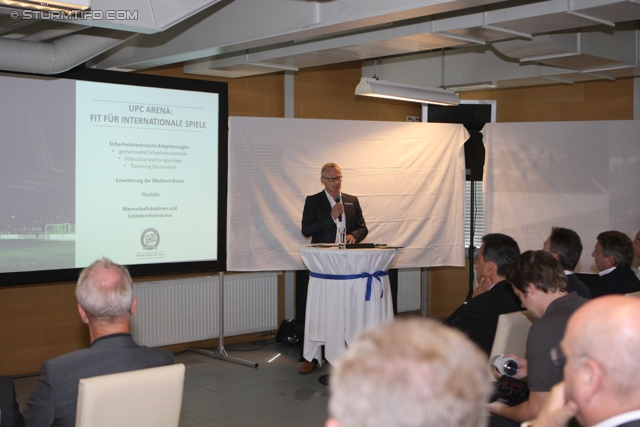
(330, 209)
(322, 215)
(539, 281)
(10, 415)
(565, 246)
(106, 304)
(492, 295)
(614, 254)
(412, 372)
(599, 353)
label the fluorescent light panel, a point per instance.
(472, 86)
(406, 92)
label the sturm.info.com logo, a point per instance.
(80, 15)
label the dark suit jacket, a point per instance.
(10, 415)
(576, 285)
(54, 399)
(622, 280)
(318, 223)
(478, 318)
(635, 423)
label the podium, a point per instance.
(348, 292)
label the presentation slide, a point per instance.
(146, 174)
(91, 169)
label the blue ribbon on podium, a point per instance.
(368, 276)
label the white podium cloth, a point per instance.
(337, 310)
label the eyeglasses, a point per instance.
(334, 179)
(557, 357)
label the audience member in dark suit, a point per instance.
(614, 254)
(10, 415)
(321, 217)
(566, 247)
(106, 304)
(492, 295)
(602, 374)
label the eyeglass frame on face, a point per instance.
(333, 179)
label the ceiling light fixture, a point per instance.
(405, 92)
(472, 86)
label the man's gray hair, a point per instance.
(105, 291)
(407, 373)
(328, 166)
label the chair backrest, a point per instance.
(146, 397)
(511, 333)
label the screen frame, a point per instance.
(155, 269)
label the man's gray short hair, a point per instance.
(407, 373)
(105, 291)
(328, 166)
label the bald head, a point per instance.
(602, 346)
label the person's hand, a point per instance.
(481, 286)
(495, 408)
(556, 411)
(337, 210)
(350, 239)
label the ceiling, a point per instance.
(450, 43)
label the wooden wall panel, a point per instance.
(329, 93)
(38, 322)
(598, 100)
(448, 287)
(259, 96)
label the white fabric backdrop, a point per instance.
(579, 175)
(409, 178)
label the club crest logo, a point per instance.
(150, 239)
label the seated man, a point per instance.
(106, 304)
(601, 367)
(614, 255)
(413, 372)
(492, 295)
(10, 415)
(565, 246)
(539, 281)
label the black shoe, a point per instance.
(324, 379)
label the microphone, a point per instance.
(338, 201)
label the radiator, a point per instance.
(186, 310)
(409, 290)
